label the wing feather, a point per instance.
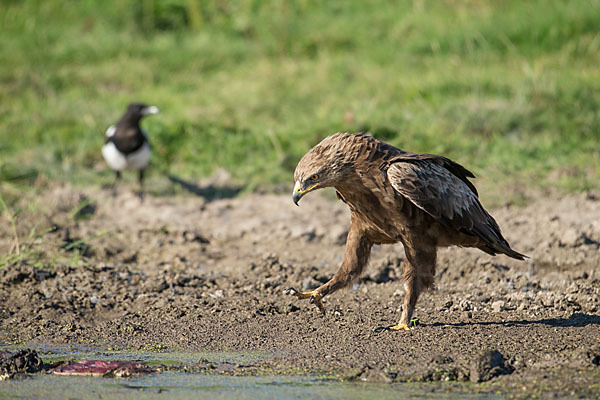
(441, 188)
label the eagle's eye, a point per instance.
(315, 177)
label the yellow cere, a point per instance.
(310, 188)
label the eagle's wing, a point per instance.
(432, 187)
(441, 188)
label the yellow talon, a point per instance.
(314, 296)
(401, 327)
(406, 327)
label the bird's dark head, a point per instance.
(325, 165)
(139, 110)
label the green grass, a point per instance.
(510, 89)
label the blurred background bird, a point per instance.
(126, 144)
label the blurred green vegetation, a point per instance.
(510, 89)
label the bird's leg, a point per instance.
(412, 285)
(418, 275)
(358, 248)
(114, 185)
(341, 279)
(141, 181)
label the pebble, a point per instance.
(487, 365)
(498, 306)
(465, 305)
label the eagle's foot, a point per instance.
(399, 327)
(314, 297)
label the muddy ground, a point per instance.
(204, 273)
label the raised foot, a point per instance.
(314, 296)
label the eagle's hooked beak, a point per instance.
(299, 192)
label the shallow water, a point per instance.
(183, 385)
(81, 352)
(198, 386)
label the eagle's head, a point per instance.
(325, 165)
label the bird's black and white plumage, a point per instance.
(126, 145)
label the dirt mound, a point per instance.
(24, 361)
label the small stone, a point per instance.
(487, 365)
(498, 306)
(465, 305)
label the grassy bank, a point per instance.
(510, 89)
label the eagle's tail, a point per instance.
(500, 245)
(505, 249)
(494, 242)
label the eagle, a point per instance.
(424, 201)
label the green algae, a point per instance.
(198, 375)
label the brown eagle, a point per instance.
(425, 201)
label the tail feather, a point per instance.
(492, 236)
(511, 253)
(495, 247)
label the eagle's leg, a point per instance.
(419, 270)
(358, 249)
